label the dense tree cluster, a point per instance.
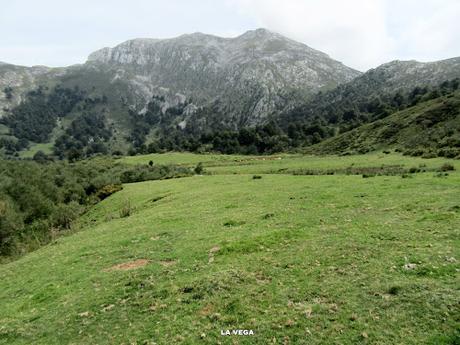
(35, 118)
(85, 136)
(42, 197)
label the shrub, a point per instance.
(232, 222)
(126, 209)
(268, 216)
(394, 290)
(64, 214)
(108, 190)
(199, 168)
(10, 223)
(449, 152)
(441, 174)
(447, 167)
(40, 157)
(256, 177)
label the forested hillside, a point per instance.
(303, 127)
(429, 129)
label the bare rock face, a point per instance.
(16, 81)
(248, 75)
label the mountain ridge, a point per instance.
(146, 89)
(207, 67)
(250, 76)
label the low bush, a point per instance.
(447, 167)
(126, 209)
(199, 168)
(108, 190)
(368, 175)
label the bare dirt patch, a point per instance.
(131, 265)
(212, 251)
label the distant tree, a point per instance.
(40, 157)
(8, 92)
(199, 168)
(398, 99)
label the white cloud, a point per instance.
(364, 33)
(427, 32)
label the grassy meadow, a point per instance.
(290, 163)
(307, 251)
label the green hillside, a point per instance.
(318, 259)
(431, 128)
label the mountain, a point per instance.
(406, 75)
(247, 75)
(374, 95)
(198, 91)
(243, 80)
(350, 102)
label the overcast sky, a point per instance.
(360, 33)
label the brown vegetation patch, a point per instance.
(131, 265)
(167, 263)
(206, 310)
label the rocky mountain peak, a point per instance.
(209, 68)
(250, 76)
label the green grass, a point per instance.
(287, 163)
(297, 259)
(34, 148)
(4, 130)
(188, 159)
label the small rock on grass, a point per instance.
(409, 266)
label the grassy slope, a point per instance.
(34, 148)
(425, 125)
(301, 260)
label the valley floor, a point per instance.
(298, 259)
